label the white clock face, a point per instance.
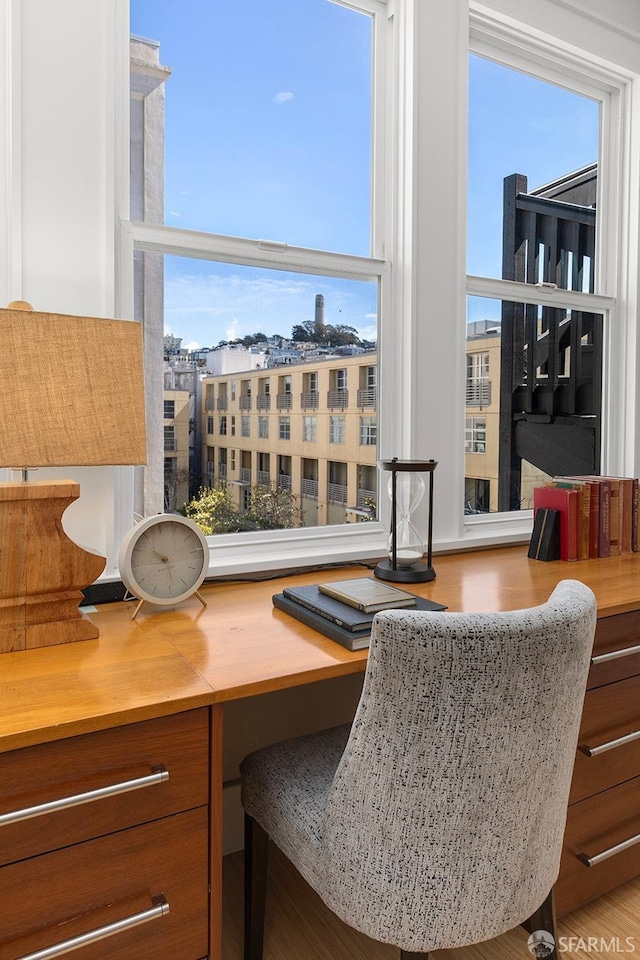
(167, 560)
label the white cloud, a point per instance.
(174, 213)
(283, 96)
(371, 316)
(192, 345)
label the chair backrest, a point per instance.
(446, 816)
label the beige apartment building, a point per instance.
(176, 448)
(309, 427)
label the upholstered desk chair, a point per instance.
(436, 819)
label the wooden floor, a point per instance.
(300, 927)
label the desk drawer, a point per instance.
(616, 649)
(609, 741)
(599, 825)
(79, 890)
(125, 759)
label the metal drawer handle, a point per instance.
(159, 775)
(159, 909)
(611, 745)
(611, 852)
(615, 655)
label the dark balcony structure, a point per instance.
(551, 358)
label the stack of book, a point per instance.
(344, 610)
(598, 516)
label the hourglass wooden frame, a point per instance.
(390, 569)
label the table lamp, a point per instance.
(71, 394)
(410, 550)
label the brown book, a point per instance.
(584, 510)
(625, 514)
(600, 514)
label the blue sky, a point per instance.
(267, 137)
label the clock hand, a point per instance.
(160, 556)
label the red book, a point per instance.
(566, 501)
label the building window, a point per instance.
(284, 428)
(223, 426)
(368, 431)
(169, 438)
(233, 426)
(263, 428)
(233, 461)
(475, 438)
(309, 426)
(478, 387)
(169, 409)
(210, 428)
(336, 429)
(477, 497)
(245, 425)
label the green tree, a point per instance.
(213, 511)
(273, 508)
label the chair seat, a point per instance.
(285, 788)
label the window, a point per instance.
(478, 387)
(263, 428)
(169, 438)
(536, 197)
(475, 439)
(233, 426)
(245, 425)
(284, 428)
(223, 426)
(422, 320)
(210, 427)
(169, 409)
(368, 431)
(336, 429)
(309, 426)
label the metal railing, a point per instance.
(284, 401)
(284, 481)
(263, 401)
(309, 400)
(336, 493)
(264, 478)
(309, 488)
(222, 471)
(367, 500)
(222, 403)
(245, 403)
(245, 474)
(210, 404)
(367, 398)
(478, 393)
(337, 398)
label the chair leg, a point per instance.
(542, 922)
(256, 847)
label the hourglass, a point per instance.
(407, 562)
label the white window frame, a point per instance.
(284, 428)
(337, 428)
(475, 435)
(263, 427)
(556, 61)
(368, 431)
(309, 428)
(54, 229)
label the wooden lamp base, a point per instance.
(42, 571)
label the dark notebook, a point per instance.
(351, 639)
(340, 613)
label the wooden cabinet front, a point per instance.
(101, 782)
(80, 890)
(106, 837)
(604, 806)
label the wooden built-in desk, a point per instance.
(79, 717)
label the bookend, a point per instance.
(545, 539)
